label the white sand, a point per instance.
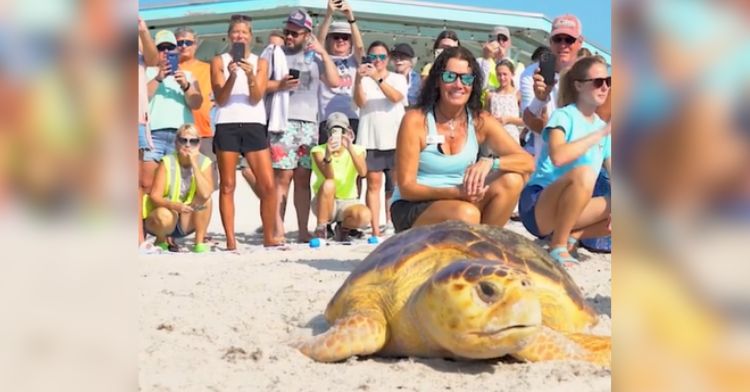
(224, 321)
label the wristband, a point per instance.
(352, 21)
(184, 88)
(496, 164)
(536, 106)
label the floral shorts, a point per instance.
(291, 149)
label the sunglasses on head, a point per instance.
(340, 37)
(185, 42)
(240, 17)
(449, 77)
(501, 38)
(374, 57)
(598, 82)
(193, 141)
(294, 34)
(564, 38)
(165, 47)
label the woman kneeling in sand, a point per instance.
(180, 199)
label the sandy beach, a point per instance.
(225, 321)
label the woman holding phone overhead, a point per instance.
(239, 81)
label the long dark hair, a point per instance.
(430, 94)
(450, 34)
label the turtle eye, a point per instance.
(488, 292)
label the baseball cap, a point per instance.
(500, 30)
(403, 49)
(340, 28)
(165, 36)
(337, 119)
(566, 24)
(300, 18)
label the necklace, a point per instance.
(451, 124)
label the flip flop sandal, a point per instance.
(557, 254)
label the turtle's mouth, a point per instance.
(513, 328)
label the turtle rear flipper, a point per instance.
(358, 333)
(549, 344)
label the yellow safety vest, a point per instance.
(173, 182)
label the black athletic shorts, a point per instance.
(240, 137)
(404, 213)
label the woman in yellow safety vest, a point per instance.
(180, 199)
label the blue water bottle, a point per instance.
(309, 53)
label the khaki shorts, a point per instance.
(339, 205)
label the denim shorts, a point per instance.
(163, 144)
(527, 207)
(142, 140)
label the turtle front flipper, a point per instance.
(549, 344)
(358, 333)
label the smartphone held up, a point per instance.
(547, 62)
(237, 51)
(174, 62)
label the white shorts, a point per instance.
(339, 205)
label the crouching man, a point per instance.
(336, 165)
(180, 199)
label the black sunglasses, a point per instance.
(240, 17)
(449, 77)
(501, 38)
(341, 37)
(193, 141)
(185, 42)
(564, 38)
(165, 47)
(598, 82)
(294, 34)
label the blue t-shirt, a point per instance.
(575, 126)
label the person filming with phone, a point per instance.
(239, 81)
(172, 94)
(337, 165)
(538, 85)
(180, 199)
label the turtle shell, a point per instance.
(422, 251)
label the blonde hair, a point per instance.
(568, 91)
(187, 128)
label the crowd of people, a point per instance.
(481, 140)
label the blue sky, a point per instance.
(595, 15)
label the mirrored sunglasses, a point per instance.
(564, 38)
(185, 42)
(193, 142)
(598, 82)
(449, 77)
(380, 57)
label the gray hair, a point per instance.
(183, 30)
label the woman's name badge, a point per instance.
(435, 139)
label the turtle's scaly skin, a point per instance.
(455, 290)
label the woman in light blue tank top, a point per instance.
(558, 200)
(438, 176)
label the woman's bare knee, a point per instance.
(468, 213)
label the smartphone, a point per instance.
(238, 51)
(335, 139)
(174, 62)
(294, 73)
(366, 60)
(547, 62)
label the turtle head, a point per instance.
(479, 309)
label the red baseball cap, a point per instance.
(566, 24)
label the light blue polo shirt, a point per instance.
(167, 108)
(575, 126)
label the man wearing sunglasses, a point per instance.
(538, 100)
(187, 45)
(495, 50)
(343, 41)
(290, 148)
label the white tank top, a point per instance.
(238, 108)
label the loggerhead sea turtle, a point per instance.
(454, 290)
